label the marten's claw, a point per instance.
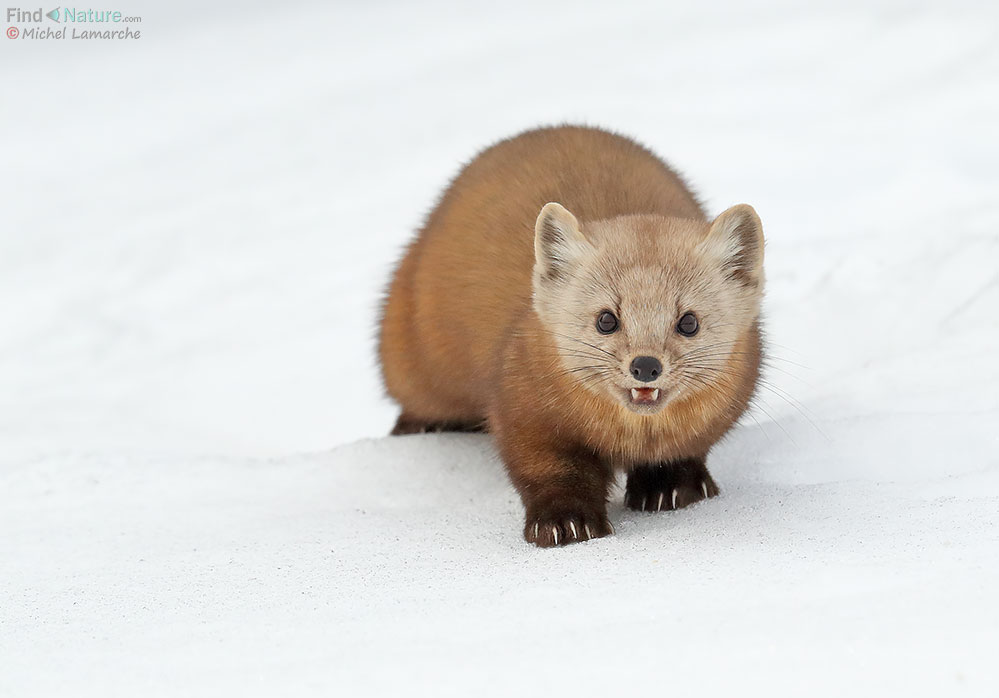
(672, 499)
(665, 487)
(558, 530)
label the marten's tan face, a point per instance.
(647, 309)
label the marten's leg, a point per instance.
(564, 490)
(671, 485)
(411, 425)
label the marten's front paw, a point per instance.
(669, 486)
(548, 529)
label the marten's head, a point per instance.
(648, 309)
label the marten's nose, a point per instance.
(646, 368)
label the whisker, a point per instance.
(592, 346)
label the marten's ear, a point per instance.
(736, 239)
(558, 243)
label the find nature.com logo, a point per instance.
(69, 17)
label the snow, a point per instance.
(196, 496)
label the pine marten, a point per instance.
(568, 295)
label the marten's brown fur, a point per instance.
(497, 318)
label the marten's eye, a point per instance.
(607, 322)
(688, 325)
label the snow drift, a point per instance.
(195, 493)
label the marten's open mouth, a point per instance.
(644, 400)
(644, 396)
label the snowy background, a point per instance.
(196, 495)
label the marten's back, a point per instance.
(467, 276)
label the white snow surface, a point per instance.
(196, 493)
